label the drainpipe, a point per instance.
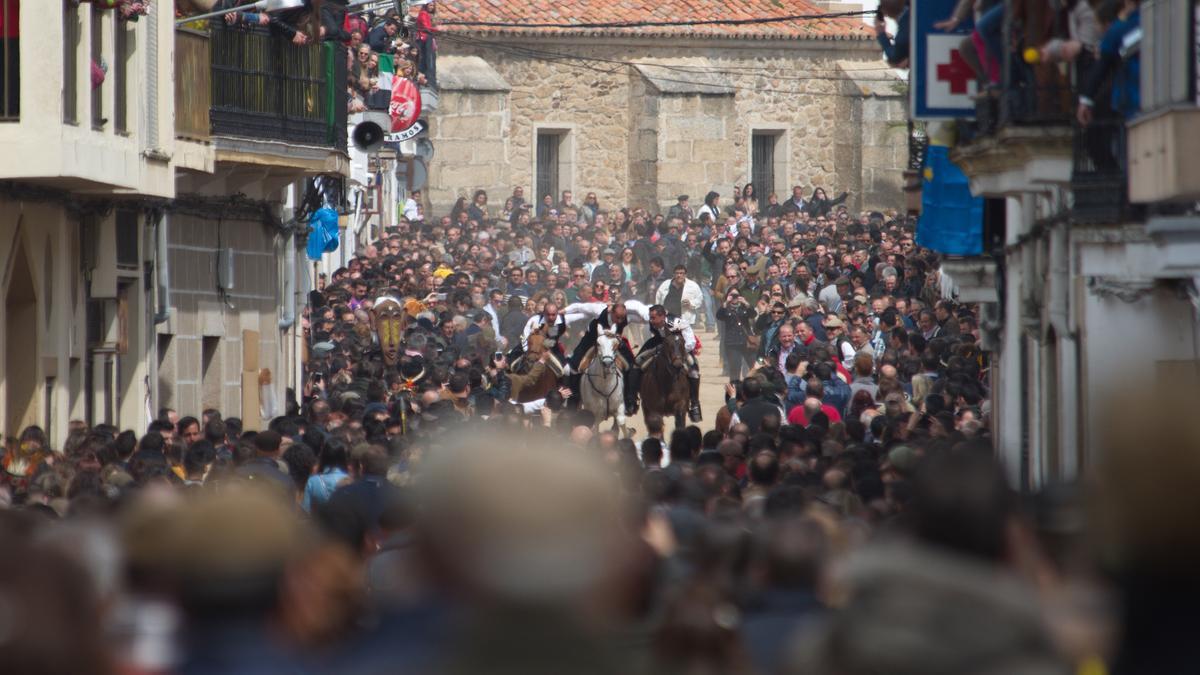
(162, 265)
(289, 281)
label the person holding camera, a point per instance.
(737, 334)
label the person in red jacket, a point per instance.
(426, 41)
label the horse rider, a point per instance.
(659, 323)
(608, 318)
(553, 326)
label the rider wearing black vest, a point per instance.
(660, 322)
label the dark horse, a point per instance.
(664, 383)
(533, 379)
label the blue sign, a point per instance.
(942, 83)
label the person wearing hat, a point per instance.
(831, 296)
(600, 272)
(752, 283)
(681, 210)
(836, 329)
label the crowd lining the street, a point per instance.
(842, 513)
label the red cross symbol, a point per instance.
(958, 73)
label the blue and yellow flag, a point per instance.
(951, 219)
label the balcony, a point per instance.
(1098, 182)
(1021, 136)
(1164, 155)
(254, 92)
(1164, 140)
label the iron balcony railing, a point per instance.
(1099, 185)
(266, 87)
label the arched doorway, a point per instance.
(21, 344)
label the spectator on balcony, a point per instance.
(355, 24)
(282, 23)
(127, 10)
(989, 39)
(970, 48)
(1118, 59)
(1083, 44)
(247, 18)
(333, 20)
(383, 37)
(895, 49)
(360, 76)
(354, 100)
(426, 41)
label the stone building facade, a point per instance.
(639, 119)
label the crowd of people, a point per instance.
(841, 513)
(380, 47)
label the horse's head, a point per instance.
(606, 348)
(674, 347)
(536, 344)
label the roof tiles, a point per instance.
(518, 14)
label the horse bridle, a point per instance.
(610, 367)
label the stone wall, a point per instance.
(469, 136)
(696, 153)
(884, 150)
(701, 141)
(644, 152)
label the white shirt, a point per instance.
(638, 312)
(532, 407)
(535, 322)
(666, 453)
(690, 300)
(412, 210)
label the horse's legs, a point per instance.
(619, 418)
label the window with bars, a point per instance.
(762, 163)
(548, 145)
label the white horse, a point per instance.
(602, 385)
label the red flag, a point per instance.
(405, 106)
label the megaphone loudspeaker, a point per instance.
(367, 136)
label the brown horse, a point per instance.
(534, 379)
(664, 387)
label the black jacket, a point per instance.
(379, 40)
(738, 324)
(822, 207)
